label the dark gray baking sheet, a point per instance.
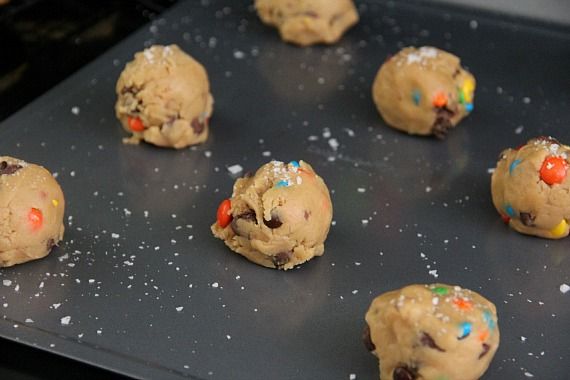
(150, 293)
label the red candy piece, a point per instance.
(224, 217)
(483, 335)
(135, 124)
(506, 219)
(36, 218)
(440, 100)
(553, 170)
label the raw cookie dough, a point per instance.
(531, 188)
(423, 91)
(279, 217)
(307, 22)
(432, 332)
(31, 212)
(163, 98)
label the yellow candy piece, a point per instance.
(54, 202)
(468, 88)
(560, 229)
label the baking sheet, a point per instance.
(151, 294)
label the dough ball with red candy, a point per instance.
(531, 188)
(432, 332)
(163, 98)
(279, 217)
(31, 212)
(423, 91)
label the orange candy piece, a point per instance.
(483, 335)
(553, 170)
(135, 124)
(223, 215)
(463, 304)
(36, 218)
(439, 100)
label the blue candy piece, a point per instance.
(294, 164)
(282, 183)
(513, 165)
(416, 97)
(488, 318)
(510, 211)
(466, 328)
(469, 107)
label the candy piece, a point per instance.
(560, 229)
(469, 107)
(513, 165)
(439, 100)
(54, 202)
(36, 218)
(483, 335)
(468, 88)
(465, 328)
(463, 304)
(223, 215)
(553, 170)
(294, 164)
(505, 219)
(440, 290)
(282, 183)
(510, 211)
(488, 318)
(416, 97)
(135, 124)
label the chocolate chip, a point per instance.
(281, 259)
(274, 222)
(486, 349)
(367, 339)
(427, 340)
(311, 14)
(248, 215)
(50, 244)
(442, 123)
(129, 90)
(248, 174)
(6, 168)
(197, 126)
(404, 372)
(307, 214)
(456, 73)
(527, 219)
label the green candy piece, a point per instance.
(440, 290)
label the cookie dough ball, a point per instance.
(31, 212)
(308, 22)
(423, 91)
(279, 217)
(531, 188)
(163, 98)
(432, 332)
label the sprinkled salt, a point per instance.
(179, 308)
(239, 54)
(352, 376)
(361, 190)
(215, 285)
(333, 143)
(75, 110)
(65, 320)
(6, 282)
(115, 236)
(235, 169)
(473, 24)
(564, 288)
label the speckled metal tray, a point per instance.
(150, 293)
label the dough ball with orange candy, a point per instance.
(531, 188)
(432, 332)
(423, 91)
(31, 212)
(279, 217)
(163, 98)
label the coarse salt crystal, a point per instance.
(235, 169)
(564, 288)
(65, 320)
